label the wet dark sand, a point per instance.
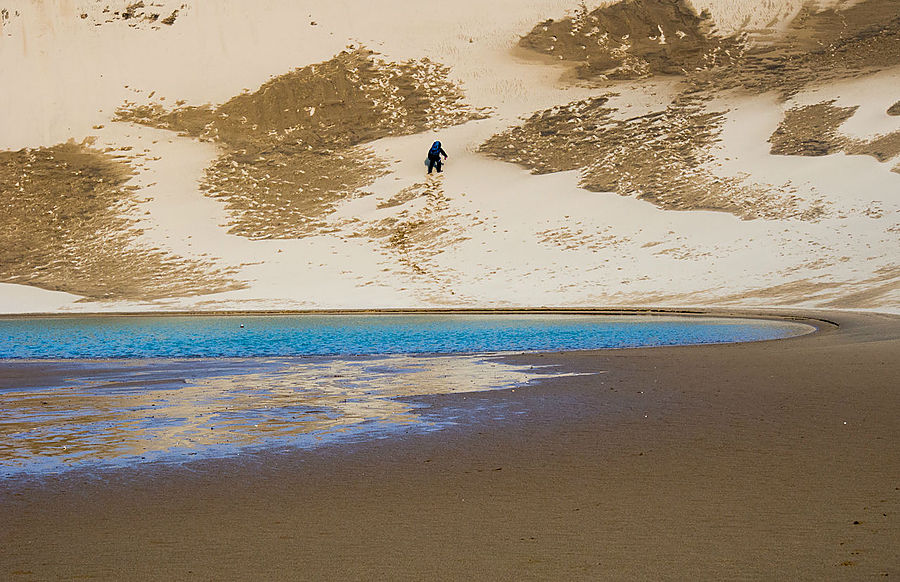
(774, 460)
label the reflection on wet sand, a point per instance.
(294, 402)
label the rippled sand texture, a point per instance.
(637, 39)
(666, 157)
(663, 157)
(292, 149)
(812, 130)
(67, 225)
(629, 40)
(157, 409)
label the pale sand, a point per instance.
(772, 460)
(488, 233)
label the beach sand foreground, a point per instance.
(745, 461)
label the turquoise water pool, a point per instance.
(99, 337)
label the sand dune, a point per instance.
(273, 154)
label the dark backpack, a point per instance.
(435, 149)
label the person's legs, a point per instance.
(431, 163)
(438, 163)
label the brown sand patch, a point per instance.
(7, 15)
(291, 148)
(666, 156)
(402, 197)
(144, 15)
(812, 130)
(663, 157)
(894, 109)
(814, 27)
(682, 252)
(639, 38)
(632, 39)
(785, 293)
(882, 148)
(816, 48)
(65, 227)
(287, 194)
(872, 291)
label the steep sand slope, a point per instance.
(710, 106)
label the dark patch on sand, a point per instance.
(141, 15)
(632, 39)
(894, 109)
(6, 15)
(65, 227)
(876, 290)
(666, 156)
(285, 193)
(574, 239)
(639, 38)
(170, 19)
(882, 148)
(293, 147)
(788, 68)
(663, 157)
(812, 130)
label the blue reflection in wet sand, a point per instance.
(89, 419)
(79, 412)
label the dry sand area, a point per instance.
(767, 460)
(268, 155)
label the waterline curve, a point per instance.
(247, 335)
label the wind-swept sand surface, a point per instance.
(268, 155)
(770, 460)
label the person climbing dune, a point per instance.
(434, 156)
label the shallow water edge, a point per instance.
(61, 414)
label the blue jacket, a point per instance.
(436, 151)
